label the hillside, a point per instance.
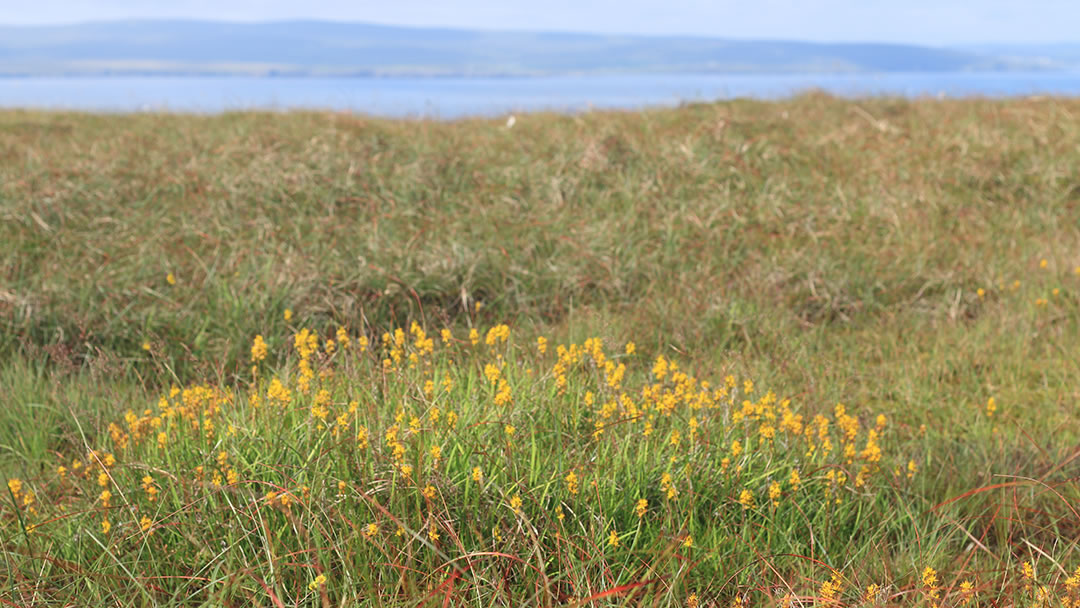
(815, 352)
(327, 48)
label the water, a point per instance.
(456, 97)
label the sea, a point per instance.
(456, 97)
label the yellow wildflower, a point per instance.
(968, 591)
(642, 507)
(872, 591)
(831, 588)
(930, 579)
(258, 349)
(746, 499)
(775, 493)
(571, 482)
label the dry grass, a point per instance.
(833, 250)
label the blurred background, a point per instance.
(489, 57)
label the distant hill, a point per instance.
(1055, 56)
(331, 48)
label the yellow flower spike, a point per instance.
(774, 493)
(1028, 572)
(613, 539)
(478, 475)
(832, 588)
(571, 482)
(930, 580)
(258, 349)
(641, 507)
(105, 526)
(433, 533)
(871, 594)
(980, 292)
(968, 591)
(1043, 263)
(746, 499)
(170, 279)
(371, 529)
(317, 583)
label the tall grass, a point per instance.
(907, 258)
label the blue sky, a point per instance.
(935, 22)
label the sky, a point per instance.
(932, 22)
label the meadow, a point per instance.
(814, 352)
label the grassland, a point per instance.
(909, 259)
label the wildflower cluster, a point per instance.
(418, 438)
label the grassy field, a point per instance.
(709, 284)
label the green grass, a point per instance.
(831, 250)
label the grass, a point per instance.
(832, 251)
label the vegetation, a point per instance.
(808, 352)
